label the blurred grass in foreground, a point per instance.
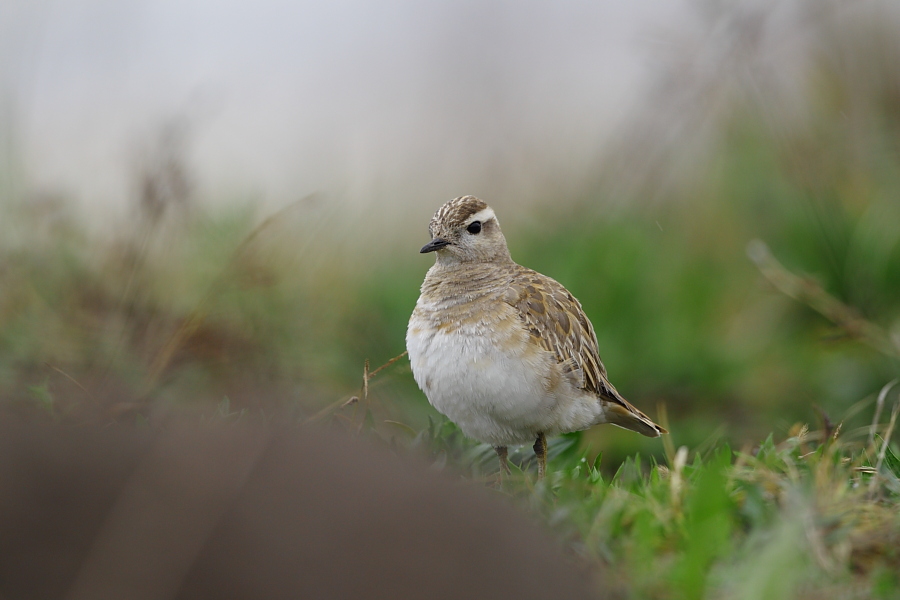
(812, 516)
(235, 315)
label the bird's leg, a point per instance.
(504, 463)
(540, 450)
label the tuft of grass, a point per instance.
(813, 515)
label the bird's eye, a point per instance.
(474, 227)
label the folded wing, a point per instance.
(557, 322)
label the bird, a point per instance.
(504, 352)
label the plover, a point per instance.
(505, 352)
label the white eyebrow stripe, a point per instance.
(485, 214)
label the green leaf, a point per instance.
(892, 462)
(708, 525)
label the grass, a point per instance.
(815, 515)
(226, 318)
(236, 316)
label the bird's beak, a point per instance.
(435, 244)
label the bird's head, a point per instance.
(466, 230)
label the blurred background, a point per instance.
(219, 207)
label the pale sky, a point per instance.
(399, 102)
(283, 98)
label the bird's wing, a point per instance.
(556, 321)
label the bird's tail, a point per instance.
(623, 414)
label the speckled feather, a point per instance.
(457, 212)
(556, 321)
(507, 353)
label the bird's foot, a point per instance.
(540, 451)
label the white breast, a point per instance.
(492, 381)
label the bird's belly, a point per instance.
(496, 389)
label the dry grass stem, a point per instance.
(74, 381)
(808, 291)
(193, 321)
(879, 406)
(884, 447)
(354, 400)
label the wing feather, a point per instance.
(556, 321)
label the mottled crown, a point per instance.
(456, 212)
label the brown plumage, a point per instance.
(557, 323)
(505, 352)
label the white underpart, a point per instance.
(496, 391)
